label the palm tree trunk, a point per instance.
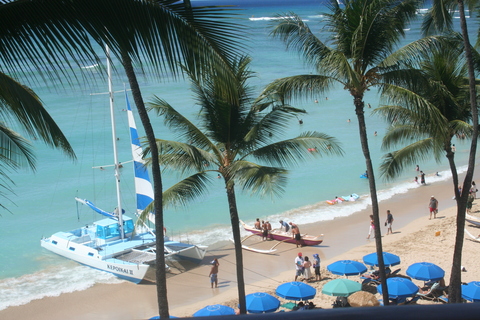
(359, 110)
(161, 276)
(232, 204)
(455, 293)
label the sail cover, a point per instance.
(143, 186)
(97, 209)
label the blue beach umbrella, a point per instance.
(296, 291)
(214, 310)
(471, 291)
(425, 271)
(347, 268)
(260, 302)
(399, 288)
(158, 317)
(389, 259)
(341, 287)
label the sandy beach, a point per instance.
(415, 238)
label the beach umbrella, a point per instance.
(260, 302)
(341, 287)
(363, 299)
(158, 317)
(471, 291)
(389, 259)
(347, 268)
(425, 271)
(296, 291)
(399, 288)
(214, 310)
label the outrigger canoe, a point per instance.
(279, 235)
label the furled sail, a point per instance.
(143, 186)
(112, 215)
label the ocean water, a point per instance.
(44, 203)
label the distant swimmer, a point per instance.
(369, 105)
(375, 134)
(300, 121)
(316, 101)
(348, 120)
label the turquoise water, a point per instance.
(44, 201)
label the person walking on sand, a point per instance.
(372, 227)
(307, 272)
(433, 207)
(316, 266)
(388, 222)
(214, 273)
(298, 266)
(296, 234)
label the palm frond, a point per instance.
(22, 105)
(299, 86)
(15, 151)
(292, 151)
(182, 156)
(183, 128)
(270, 125)
(259, 180)
(186, 190)
(395, 162)
(438, 18)
(296, 34)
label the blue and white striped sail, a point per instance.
(143, 186)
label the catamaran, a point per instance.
(114, 244)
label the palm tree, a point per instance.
(439, 18)
(234, 131)
(430, 129)
(363, 34)
(48, 34)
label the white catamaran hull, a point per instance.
(134, 272)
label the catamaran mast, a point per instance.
(114, 140)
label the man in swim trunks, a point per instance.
(214, 273)
(296, 234)
(433, 206)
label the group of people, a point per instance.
(303, 265)
(388, 224)
(265, 226)
(422, 175)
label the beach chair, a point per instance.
(430, 293)
(443, 298)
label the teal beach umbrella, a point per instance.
(341, 287)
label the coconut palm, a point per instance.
(233, 132)
(364, 35)
(428, 133)
(439, 19)
(55, 37)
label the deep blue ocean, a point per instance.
(44, 203)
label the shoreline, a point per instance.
(346, 238)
